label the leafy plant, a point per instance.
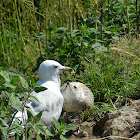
(97, 39)
(61, 129)
(13, 98)
(108, 20)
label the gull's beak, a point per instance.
(67, 68)
(64, 68)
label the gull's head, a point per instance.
(50, 70)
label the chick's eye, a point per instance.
(75, 87)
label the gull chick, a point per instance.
(77, 97)
(51, 99)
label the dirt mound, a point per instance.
(120, 124)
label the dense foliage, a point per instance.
(24, 23)
(98, 39)
(13, 88)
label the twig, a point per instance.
(132, 102)
(125, 52)
(12, 118)
(118, 137)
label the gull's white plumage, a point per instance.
(51, 99)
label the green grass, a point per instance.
(93, 40)
(23, 22)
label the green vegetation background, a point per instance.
(98, 39)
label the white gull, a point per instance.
(51, 99)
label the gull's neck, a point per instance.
(53, 81)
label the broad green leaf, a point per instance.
(24, 83)
(7, 84)
(30, 133)
(115, 37)
(15, 102)
(38, 116)
(48, 132)
(15, 80)
(3, 122)
(41, 35)
(13, 71)
(5, 75)
(29, 58)
(31, 82)
(83, 27)
(38, 138)
(39, 88)
(2, 112)
(5, 94)
(96, 45)
(99, 48)
(3, 130)
(30, 113)
(85, 43)
(16, 127)
(62, 137)
(92, 30)
(74, 33)
(56, 123)
(33, 98)
(68, 128)
(108, 32)
(102, 49)
(62, 121)
(39, 128)
(61, 29)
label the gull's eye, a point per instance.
(75, 87)
(55, 66)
